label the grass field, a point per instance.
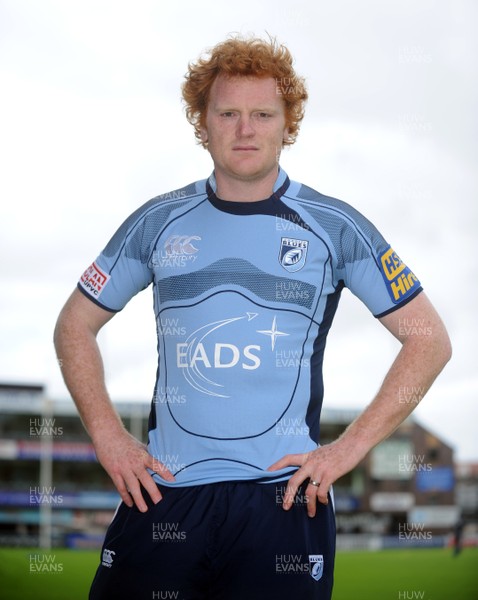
(386, 575)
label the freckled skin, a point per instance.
(245, 128)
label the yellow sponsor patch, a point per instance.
(400, 281)
(391, 264)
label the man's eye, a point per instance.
(228, 113)
(264, 115)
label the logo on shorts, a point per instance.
(316, 562)
(107, 559)
(292, 254)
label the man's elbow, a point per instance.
(431, 348)
(446, 348)
(441, 347)
(59, 331)
(67, 324)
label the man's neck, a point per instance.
(239, 190)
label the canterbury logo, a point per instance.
(179, 245)
(107, 558)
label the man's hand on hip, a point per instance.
(126, 460)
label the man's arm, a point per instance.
(425, 351)
(123, 457)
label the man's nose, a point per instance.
(245, 127)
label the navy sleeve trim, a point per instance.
(394, 308)
(111, 310)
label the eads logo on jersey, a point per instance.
(203, 352)
(401, 282)
(292, 254)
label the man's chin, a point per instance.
(252, 172)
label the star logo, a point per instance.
(273, 332)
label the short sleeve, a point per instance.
(362, 259)
(383, 282)
(121, 270)
(371, 268)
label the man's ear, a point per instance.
(285, 137)
(204, 136)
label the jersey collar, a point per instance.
(267, 206)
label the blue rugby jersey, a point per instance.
(244, 296)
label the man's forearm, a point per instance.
(124, 458)
(417, 365)
(82, 368)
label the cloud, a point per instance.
(92, 127)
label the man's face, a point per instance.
(245, 127)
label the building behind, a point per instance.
(407, 491)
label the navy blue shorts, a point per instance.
(221, 541)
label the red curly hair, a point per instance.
(246, 57)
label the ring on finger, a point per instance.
(313, 482)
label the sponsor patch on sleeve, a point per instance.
(94, 280)
(400, 281)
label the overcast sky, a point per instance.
(92, 126)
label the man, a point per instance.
(247, 269)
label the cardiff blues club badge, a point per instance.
(292, 254)
(316, 562)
